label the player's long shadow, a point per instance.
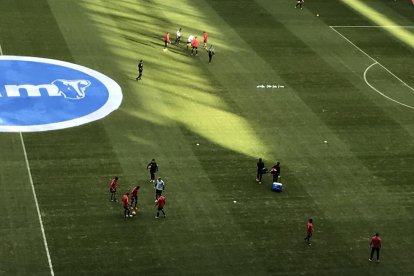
(147, 43)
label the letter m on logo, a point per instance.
(31, 90)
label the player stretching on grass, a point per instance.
(309, 231)
(160, 203)
(112, 188)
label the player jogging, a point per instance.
(112, 188)
(309, 231)
(160, 203)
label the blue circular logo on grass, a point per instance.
(38, 94)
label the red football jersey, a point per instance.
(114, 183)
(167, 37)
(376, 242)
(161, 201)
(195, 42)
(310, 228)
(134, 191)
(125, 200)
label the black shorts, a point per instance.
(160, 208)
(158, 192)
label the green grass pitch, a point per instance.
(349, 86)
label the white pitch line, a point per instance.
(37, 207)
(35, 199)
(372, 26)
(375, 62)
(379, 92)
(350, 42)
(385, 68)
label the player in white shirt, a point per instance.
(178, 37)
(159, 187)
(189, 40)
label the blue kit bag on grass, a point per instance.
(277, 187)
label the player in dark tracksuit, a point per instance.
(299, 4)
(140, 69)
(211, 53)
(153, 168)
(275, 171)
(260, 170)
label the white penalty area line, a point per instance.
(35, 199)
(375, 63)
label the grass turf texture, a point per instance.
(358, 183)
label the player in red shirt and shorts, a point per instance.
(134, 196)
(112, 188)
(160, 203)
(166, 40)
(125, 204)
(375, 246)
(195, 44)
(309, 231)
(205, 38)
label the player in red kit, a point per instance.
(205, 38)
(160, 203)
(309, 231)
(112, 188)
(375, 246)
(134, 196)
(166, 40)
(125, 204)
(195, 44)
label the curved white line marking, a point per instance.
(379, 92)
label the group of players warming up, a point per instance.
(130, 199)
